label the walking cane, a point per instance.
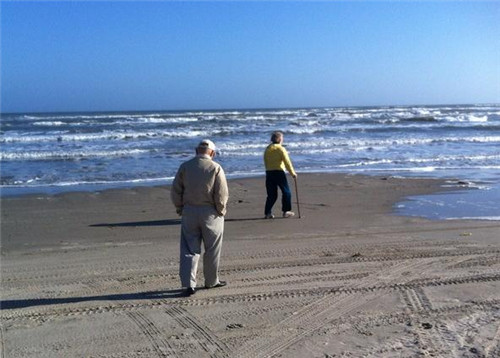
(297, 195)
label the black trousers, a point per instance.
(277, 179)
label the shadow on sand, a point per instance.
(167, 222)
(16, 304)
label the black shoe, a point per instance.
(189, 291)
(221, 284)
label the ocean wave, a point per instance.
(243, 153)
(157, 120)
(111, 135)
(486, 218)
(303, 130)
(33, 183)
(416, 115)
(96, 121)
(427, 169)
(466, 118)
(227, 132)
(49, 123)
(433, 140)
(448, 160)
(51, 155)
(241, 146)
(100, 116)
(367, 143)
(293, 122)
(351, 112)
(419, 119)
(367, 162)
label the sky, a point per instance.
(68, 56)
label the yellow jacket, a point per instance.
(276, 158)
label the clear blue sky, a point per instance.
(134, 55)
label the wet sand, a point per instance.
(95, 275)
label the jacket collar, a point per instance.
(205, 156)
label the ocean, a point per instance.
(60, 152)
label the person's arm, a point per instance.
(221, 192)
(266, 159)
(288, 163)
(177, 191)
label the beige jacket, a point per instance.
(200, 182)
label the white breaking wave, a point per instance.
(70, 155)
(367, 143)
(467, 118)
(87, 116)
(368, 162)
(29, 184)
(450, 158)
(445, 160)
(157, 120)
(487, 218)
(49, 123)
(108, 136)
(304, 130)
(240, 146)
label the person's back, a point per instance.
(200, 193)
(200, 178)
(276, 158)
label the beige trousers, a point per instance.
(200, 224)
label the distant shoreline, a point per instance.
(55, 190)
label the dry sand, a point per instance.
(95, 275)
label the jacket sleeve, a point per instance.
(221, 192)
(288, 163)
(177, 191)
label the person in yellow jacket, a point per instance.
(276, 159)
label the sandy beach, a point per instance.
(95, 275)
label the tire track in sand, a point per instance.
(430, 338)
(314, 316)
(2, 341)
(207, 340)
(43, 312)
(493, 349)
(160, 345)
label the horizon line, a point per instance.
(251, 109)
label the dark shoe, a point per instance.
(269, 216)
(220, 284)
(189, 291)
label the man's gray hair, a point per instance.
(276, 136)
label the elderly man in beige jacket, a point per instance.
(200, 193)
